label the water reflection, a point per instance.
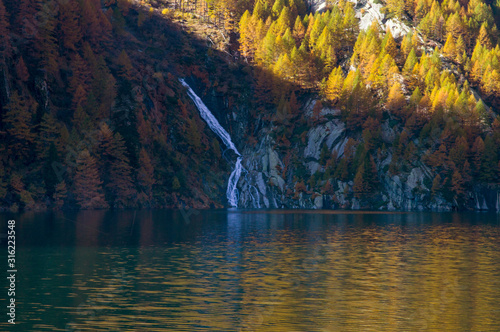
(245, 271)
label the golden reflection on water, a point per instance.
(441, 277)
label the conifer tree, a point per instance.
(396, 99)
(299, 31)
(278, 7)
(115, 168)
(60, 194)
(406, 44)
(121, 185)
(416, 96)
(436, 186)
(70, 32)
(397, 7)
(245, 36)
(450, 49)
(460, 56)
(260, 11)
(390, 45)
(5, 45)
(50, 178)
(80, 74)
(457, 185)
(46, 44)
(360, 187)
(95, 26)
(3, 183)
(334, 85)
(410, 63)
(18, 124)
(87, 183)
(145, 177)
(478, 152)
(125, 65)
(489, 162)
(484, 39)
(48, 134)
(22, 71)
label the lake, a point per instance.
(234, 270)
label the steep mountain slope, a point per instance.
(364, 105)
(429, 154)
(92, 114)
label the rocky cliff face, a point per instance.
(270, 181)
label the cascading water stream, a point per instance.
(232, 191)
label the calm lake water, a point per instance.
(246, 271)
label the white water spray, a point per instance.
(232, 191)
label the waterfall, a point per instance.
(210, 119)
(232, 191)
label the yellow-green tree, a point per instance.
(334, 84)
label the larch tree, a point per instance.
(46, 44)
(80, 74)
(299, 31)
(450, 49)
(61, 192)
(18, 119)
(483, 38)
(115, 168)
(333, 90)
(48, 134)
(145, 177)
(25, 16)
(477, 156)
(489, 162)
(410, 63)
(125, 66)
(457, 185)
(396, 98)
(246, 36)
(390, 45)
(397, 7)
(87, 185)
(22, 71)
(69, 27)
(361, 186)
(5, 45)
(121, 185)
